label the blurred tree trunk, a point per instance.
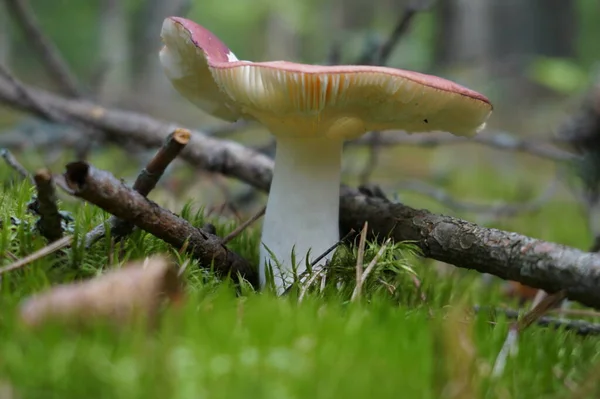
(499, 38)
(113, 51)
(148, 77)
(496, 32)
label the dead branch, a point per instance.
(495, 210)
(145, 182)
(47, 51)
(238, 230)
(11, 161)
(45, 251)
(579, 327)
(211, 154)
(107, 192)
(50, 222)
(510, 256)
(497, 140)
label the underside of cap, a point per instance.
(347, 101)
(185, 63)
(312, 100)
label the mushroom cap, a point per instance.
(334, 101)
(184, 58)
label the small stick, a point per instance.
(318, 259)
(497, 140)
(144, 184)
(46, 49)
(50, 222)
(332, 248)
(361, 252)
(358, 289)
(238, 230)
(579, 327)
(107, 192)
(11, 161)
(47, 250)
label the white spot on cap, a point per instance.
(231, 57)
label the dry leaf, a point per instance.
(136, 290)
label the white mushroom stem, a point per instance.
(303, 206)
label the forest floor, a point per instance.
(395, 340)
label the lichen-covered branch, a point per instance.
(508, 255)
(107, 192)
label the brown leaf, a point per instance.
(119, 296)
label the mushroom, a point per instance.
(311, 110)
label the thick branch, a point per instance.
(145, 182)
(511, 256)
(107, 192)
(507, 255)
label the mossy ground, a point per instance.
(396, 342)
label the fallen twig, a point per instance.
(579, 327)
(11, 161)
(107, 192)
(497, 140)
(496, 210)
(238, 230)
(49, 54)
(145, 182)
(308, 275)
(50, 221)
(45, 251)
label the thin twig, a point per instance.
(315, 262)
(45, 251)
(11, 161)
(510, 346)
(107, 192)
(361, 252)
(238, 230)
(495, 210)
(47, 51)
(145, 182)
(579, 327)
(50, 222)
(498, 140)
(382, 53)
